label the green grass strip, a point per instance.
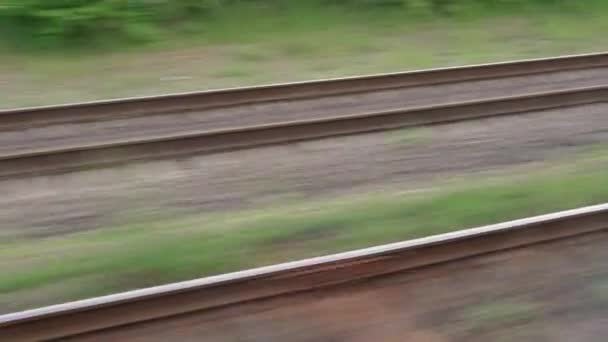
(139, 255)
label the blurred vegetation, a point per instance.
(78, 21)
(37, 272)
(47, 23)
(48, 48)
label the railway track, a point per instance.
(164, 303)
(63, 138)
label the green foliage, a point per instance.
(75, 22)
(81, 21)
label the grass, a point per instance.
(500, 314)
(148, 253)
(599, 291)
(242, 47)
(232, 73)
(410, 136)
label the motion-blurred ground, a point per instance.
(98, 231)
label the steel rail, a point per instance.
(176, 103)
(286, 279)
(200, 142)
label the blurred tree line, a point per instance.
(85, 20)
(73, 20)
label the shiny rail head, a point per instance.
(302, 83)
(294, 266)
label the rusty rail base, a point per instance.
(77, 157)
(176, 103)
(161, 302)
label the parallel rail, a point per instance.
(176, 103)
(84, 156)
(164, 302)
